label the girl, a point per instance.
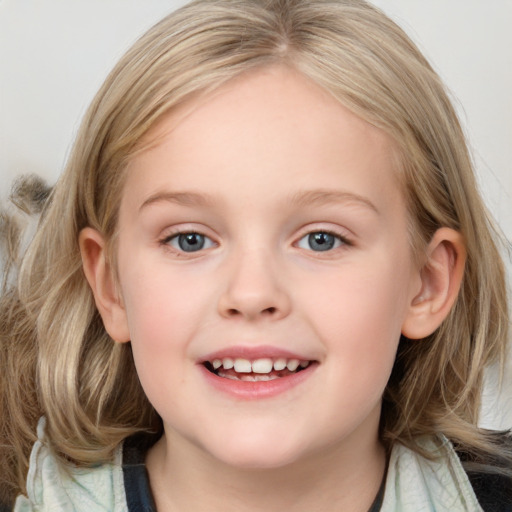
(265, 281)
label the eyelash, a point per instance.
(340, 241)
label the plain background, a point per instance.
(54, 55)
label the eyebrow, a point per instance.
(181, 198)
(327, 196)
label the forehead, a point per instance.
(273, 124)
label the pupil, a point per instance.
(321, 241)
(190, 242)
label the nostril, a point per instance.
(267, 311)
(251, 311)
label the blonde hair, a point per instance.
(53, 344)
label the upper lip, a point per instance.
(253, 353)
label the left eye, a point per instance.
(190, 242)
(320, 241)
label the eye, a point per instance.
(320, 241)
(189, 242)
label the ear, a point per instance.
(100, 276)
(441, 278)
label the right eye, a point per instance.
(321, 241)
(189, 242)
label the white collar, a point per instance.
(417, 484)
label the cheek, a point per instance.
(163, 318)
(359, 301)
(163, 302)
(358, 317)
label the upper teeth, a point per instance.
(264, 365)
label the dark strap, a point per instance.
(136, 481)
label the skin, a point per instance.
(269, 158)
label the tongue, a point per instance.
(232, 373)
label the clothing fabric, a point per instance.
(413, 483)
(52, 488)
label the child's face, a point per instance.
(297, 248)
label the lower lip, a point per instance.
(248, 390)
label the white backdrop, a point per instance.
(54, 54)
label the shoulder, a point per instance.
(52, 487)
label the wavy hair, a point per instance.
(56, 357)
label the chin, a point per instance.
(254, 453)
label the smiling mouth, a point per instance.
(258, 370)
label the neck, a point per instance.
(339, 478)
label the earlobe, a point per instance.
(100, 277)
(441, 278)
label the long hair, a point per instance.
(58, 359)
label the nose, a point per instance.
(254, 289)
